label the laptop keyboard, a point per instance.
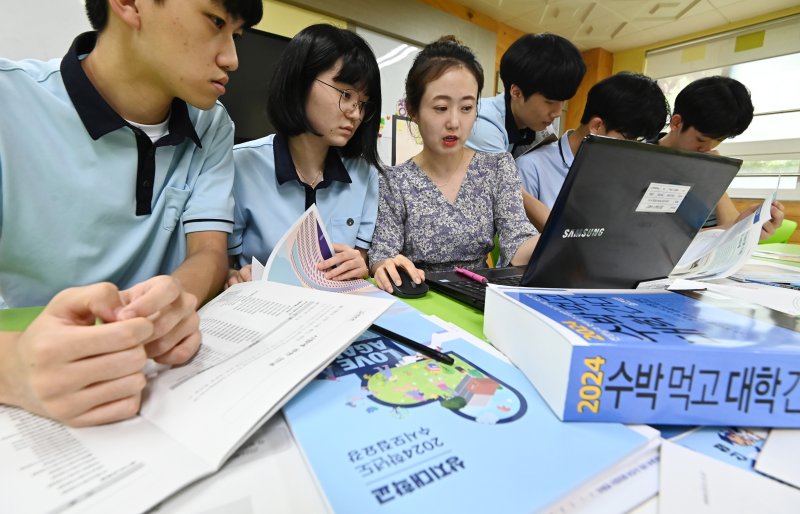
(477, 290)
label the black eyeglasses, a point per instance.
(350, 100)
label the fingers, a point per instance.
(386, 272)
(383, 275)
(181, 352)
(187, 330)
(69, 344)
(83, 305)
(246, 273)
(101, 368)
(236, 276)
(351, 265)
(174, 321)
(341, 254)
(777, 213)
(106, 402)
(148, 298)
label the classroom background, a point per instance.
(674, 42)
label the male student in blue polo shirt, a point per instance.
(539, 73)
(116, 171)
(707, 112)
(625, 106)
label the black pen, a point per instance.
(419, 347)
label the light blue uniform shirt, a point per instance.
(88, 198)
(490, 133)
(544, 170)
(270, 198)
(495, 130)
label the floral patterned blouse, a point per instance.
(416, 220)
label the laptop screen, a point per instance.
(626, 213)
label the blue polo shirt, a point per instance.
(270, 198)
(544, 170)
(495, 130)
(86, 197)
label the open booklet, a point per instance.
(262, 342)
(720, 253)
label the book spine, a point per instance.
(532, 344)
(679, 386)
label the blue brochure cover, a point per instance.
(657, 357)
(734, 445)
(385, 431)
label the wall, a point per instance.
(633, 59)
(40, 29)
(287, 20)
(410, 21)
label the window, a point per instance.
(766, 59)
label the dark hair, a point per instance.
(543, 63)
(250, 11)
(717, 107)
(431, 63)
(314, 50)
(629, 103)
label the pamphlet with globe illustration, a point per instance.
(389, 431)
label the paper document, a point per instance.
(720, 253)
(296, 255)
(261, 343)
(780, 456)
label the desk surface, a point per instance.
(436, 304)
(466, 317)
(17, 319)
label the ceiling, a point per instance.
(622, 24)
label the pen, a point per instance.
(419, 347)
(469, 274)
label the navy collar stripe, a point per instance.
(97, 116)
(285, 170)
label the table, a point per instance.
(461, 314)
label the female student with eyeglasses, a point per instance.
(322, 101)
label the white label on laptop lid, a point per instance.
(662, 198)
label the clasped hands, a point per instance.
(68, 367)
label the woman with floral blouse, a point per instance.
(443, 207)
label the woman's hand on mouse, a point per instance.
(347, 264)
(385, 272)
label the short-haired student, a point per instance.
(707, 112)
(323, 101)
(539, 72)
(624, 106)
(116, 175)
(443, 207)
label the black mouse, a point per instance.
(408, 288)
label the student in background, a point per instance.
(323, 102)
(625, 106)
(443, 207)
(539, 73)
(116, 168)
(707, 112)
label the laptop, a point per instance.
(626, 213)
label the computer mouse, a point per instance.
(408, 288)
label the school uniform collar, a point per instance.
(516, 136)
(285, 171)
(97, 116)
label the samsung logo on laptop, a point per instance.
(582, 232)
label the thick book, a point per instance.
(261, 343)
(651, 356)
(386, 431)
